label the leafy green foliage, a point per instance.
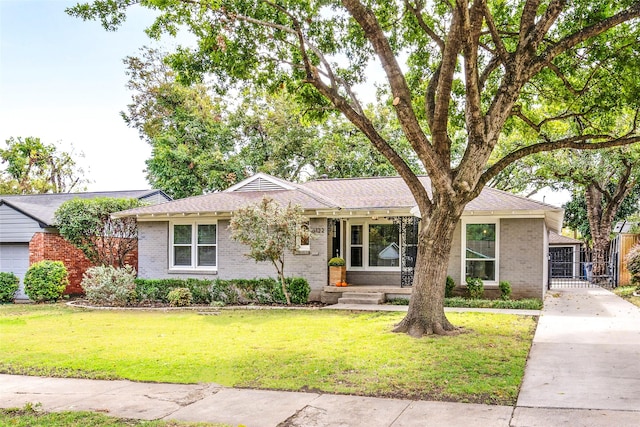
(299, 290)
(269, 230)
(632, 261)
(337, 262)
(505, 290)
(475, 287)
(522, 304)
(88, 225)
(9, 284)
(45, 281)
(33, 167)
(180, 297)
(110, 286)
(575, 210)
(449, 287)
(234, 291)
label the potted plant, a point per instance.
(337, 270)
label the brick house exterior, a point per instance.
(367, 221)
(53, 247)
(28, 233)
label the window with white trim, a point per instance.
(303, 242)
(480, 250)
(193, 246)
(374, 246)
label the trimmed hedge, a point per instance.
(235, 291)
(9, 284)
(45, 281)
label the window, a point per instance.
(303, 242)
(193, 246)
(480, 250)
(374, 246)
(384, 245)
(356, 245)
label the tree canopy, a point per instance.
(33, 167)
(88, 225)
(461, 76)
(203, 142)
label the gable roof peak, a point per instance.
(261, 182)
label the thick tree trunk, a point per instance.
(426, 308)
(600, 221)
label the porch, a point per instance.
(363, 294)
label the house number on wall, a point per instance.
(317, 230)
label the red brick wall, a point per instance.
(53, 247)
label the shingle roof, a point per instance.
(558, 239)
(340, 195)
(224, 202)
(42, 207)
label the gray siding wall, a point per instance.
(153, 259)
(16, 227)
(522, 256)
(155, 199)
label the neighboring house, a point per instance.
(28, 233)
(368, 221)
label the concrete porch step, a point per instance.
(362, 298)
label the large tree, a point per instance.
(243, 133)
(459, 74)
(33, 167)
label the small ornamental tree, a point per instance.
(270, 230)
(88, 225)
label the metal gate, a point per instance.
(408, 233)
(570, 267)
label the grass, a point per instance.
(329, 351)
(30, 416)
(626, 292)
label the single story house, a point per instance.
(28, 233)
(367, 221)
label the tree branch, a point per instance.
(576, 142)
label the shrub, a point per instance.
(299, 290)
(337, 262)
(111, 286)
(505, 290)
(449, 287)
(9, 284)
(156, 290)
(633, 264)
(180, 297)
(45, 281)
(200, 290)
(475, 287)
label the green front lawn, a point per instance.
(30, 417)
(329, 351)
(626, 292)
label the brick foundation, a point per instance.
(53, 247)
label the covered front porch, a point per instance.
(379, 252)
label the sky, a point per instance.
(63, 80)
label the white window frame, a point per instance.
(194, 246)
(300, 246)
(365, 246)
(463, 247)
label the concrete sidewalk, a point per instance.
(583, 370)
